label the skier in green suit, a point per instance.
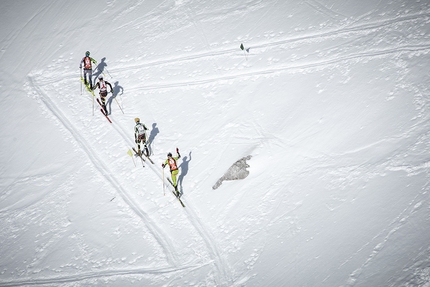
(174, 170)
(87, 62)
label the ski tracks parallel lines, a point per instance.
(159, 235)
(221, 266)
(94, 275)
(366, 55)
(213, 250)
(305, 38)
(386, 234)
(224, 277)
(324, 10)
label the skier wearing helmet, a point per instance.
(140, 136)
(174, 170)
(87, 62)
(102, 86)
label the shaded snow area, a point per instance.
(328, 102)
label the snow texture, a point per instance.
(331, 98)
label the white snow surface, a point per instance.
(331, 99)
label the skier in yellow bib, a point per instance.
(174, 170)
(140, 137)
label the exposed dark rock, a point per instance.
(237, 171)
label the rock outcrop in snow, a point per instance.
(237, 171)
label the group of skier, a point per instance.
(140, 129)
(101, 84)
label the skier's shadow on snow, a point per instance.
(184, 170)
(116, 90)
(100, 69)
(154, 132)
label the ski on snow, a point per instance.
(147, 156)
(176, 193)
(98, 101)
(102, 109)
(139, 155)
(88, 87)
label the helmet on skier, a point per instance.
(137, 120)
(169, 154)
(100, 77)
(87, 53)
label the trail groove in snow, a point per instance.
(83, 276)
(292, 68)
(311, 37)
(332, 101)
(222, 275)
(159, 235)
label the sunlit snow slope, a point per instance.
(330, 98)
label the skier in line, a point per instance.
(102, 85)
(171, 161)
(87, 62)
(140, 136)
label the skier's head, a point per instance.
(137, 120)
(87, 53)
(100, 77)
(169, 154)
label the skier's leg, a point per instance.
(90, 78)
(85, 77)
(145, 144)
(138, 146)
(174, 174)
(146, 149)
(103, 99)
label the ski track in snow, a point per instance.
(367, 54)
(291, 68)
(306, 39)
(324, 10)
(104, 170)
(221, 277)
(386, 234)
(82, 276)
(222, 273)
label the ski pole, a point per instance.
(108, 72)
(80, 69)
(118, 104)
(93, 104)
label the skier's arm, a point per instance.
(165, 163)
(94, 61)
(179, 155)
(135, 135)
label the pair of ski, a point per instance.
(140, 155)
(175, 192)
(102, 108)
